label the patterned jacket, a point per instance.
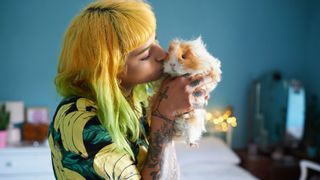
(81, 148)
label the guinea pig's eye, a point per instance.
(183, 56)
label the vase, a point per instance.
(3, 139)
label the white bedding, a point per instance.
(212, 160)
(208, 171)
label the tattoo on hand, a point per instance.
(163, 95)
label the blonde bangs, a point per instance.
(133, 20)
(138, 27)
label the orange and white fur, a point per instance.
(191, 57)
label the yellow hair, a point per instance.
(93, 54)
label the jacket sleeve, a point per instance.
(108, 161)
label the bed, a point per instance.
(212, 160)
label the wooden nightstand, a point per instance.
(265, 168)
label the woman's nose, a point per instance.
(161, 54)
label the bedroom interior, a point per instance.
(263, 119)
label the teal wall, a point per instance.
(250, 37)
(312, 66)
(30, 38)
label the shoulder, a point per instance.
(78, 125)
(72, 104)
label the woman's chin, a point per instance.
(154, 77)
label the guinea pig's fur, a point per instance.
(191, 57)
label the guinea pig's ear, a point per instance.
(199, 41)
(173, 44)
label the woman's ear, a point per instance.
(123, 73)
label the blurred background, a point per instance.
(269, 51)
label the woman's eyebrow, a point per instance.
(145, 49)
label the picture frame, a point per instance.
(38, 115)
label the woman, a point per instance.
(108, 61)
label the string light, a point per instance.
(221, 121)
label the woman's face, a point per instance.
(143, 64)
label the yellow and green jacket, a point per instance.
(81, 148)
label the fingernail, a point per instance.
(197, 94)
(195, 83)
(187, 75)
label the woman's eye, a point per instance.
(145, 57)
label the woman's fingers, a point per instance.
(184, 93)
(198, 82)
(195, 83)
(199, 98)
(198, 93)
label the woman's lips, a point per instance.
(161, 71)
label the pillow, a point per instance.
(211, 149)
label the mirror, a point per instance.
(277, 112)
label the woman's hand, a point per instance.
(176, 95)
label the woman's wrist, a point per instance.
(163, 116)
(159, 139)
